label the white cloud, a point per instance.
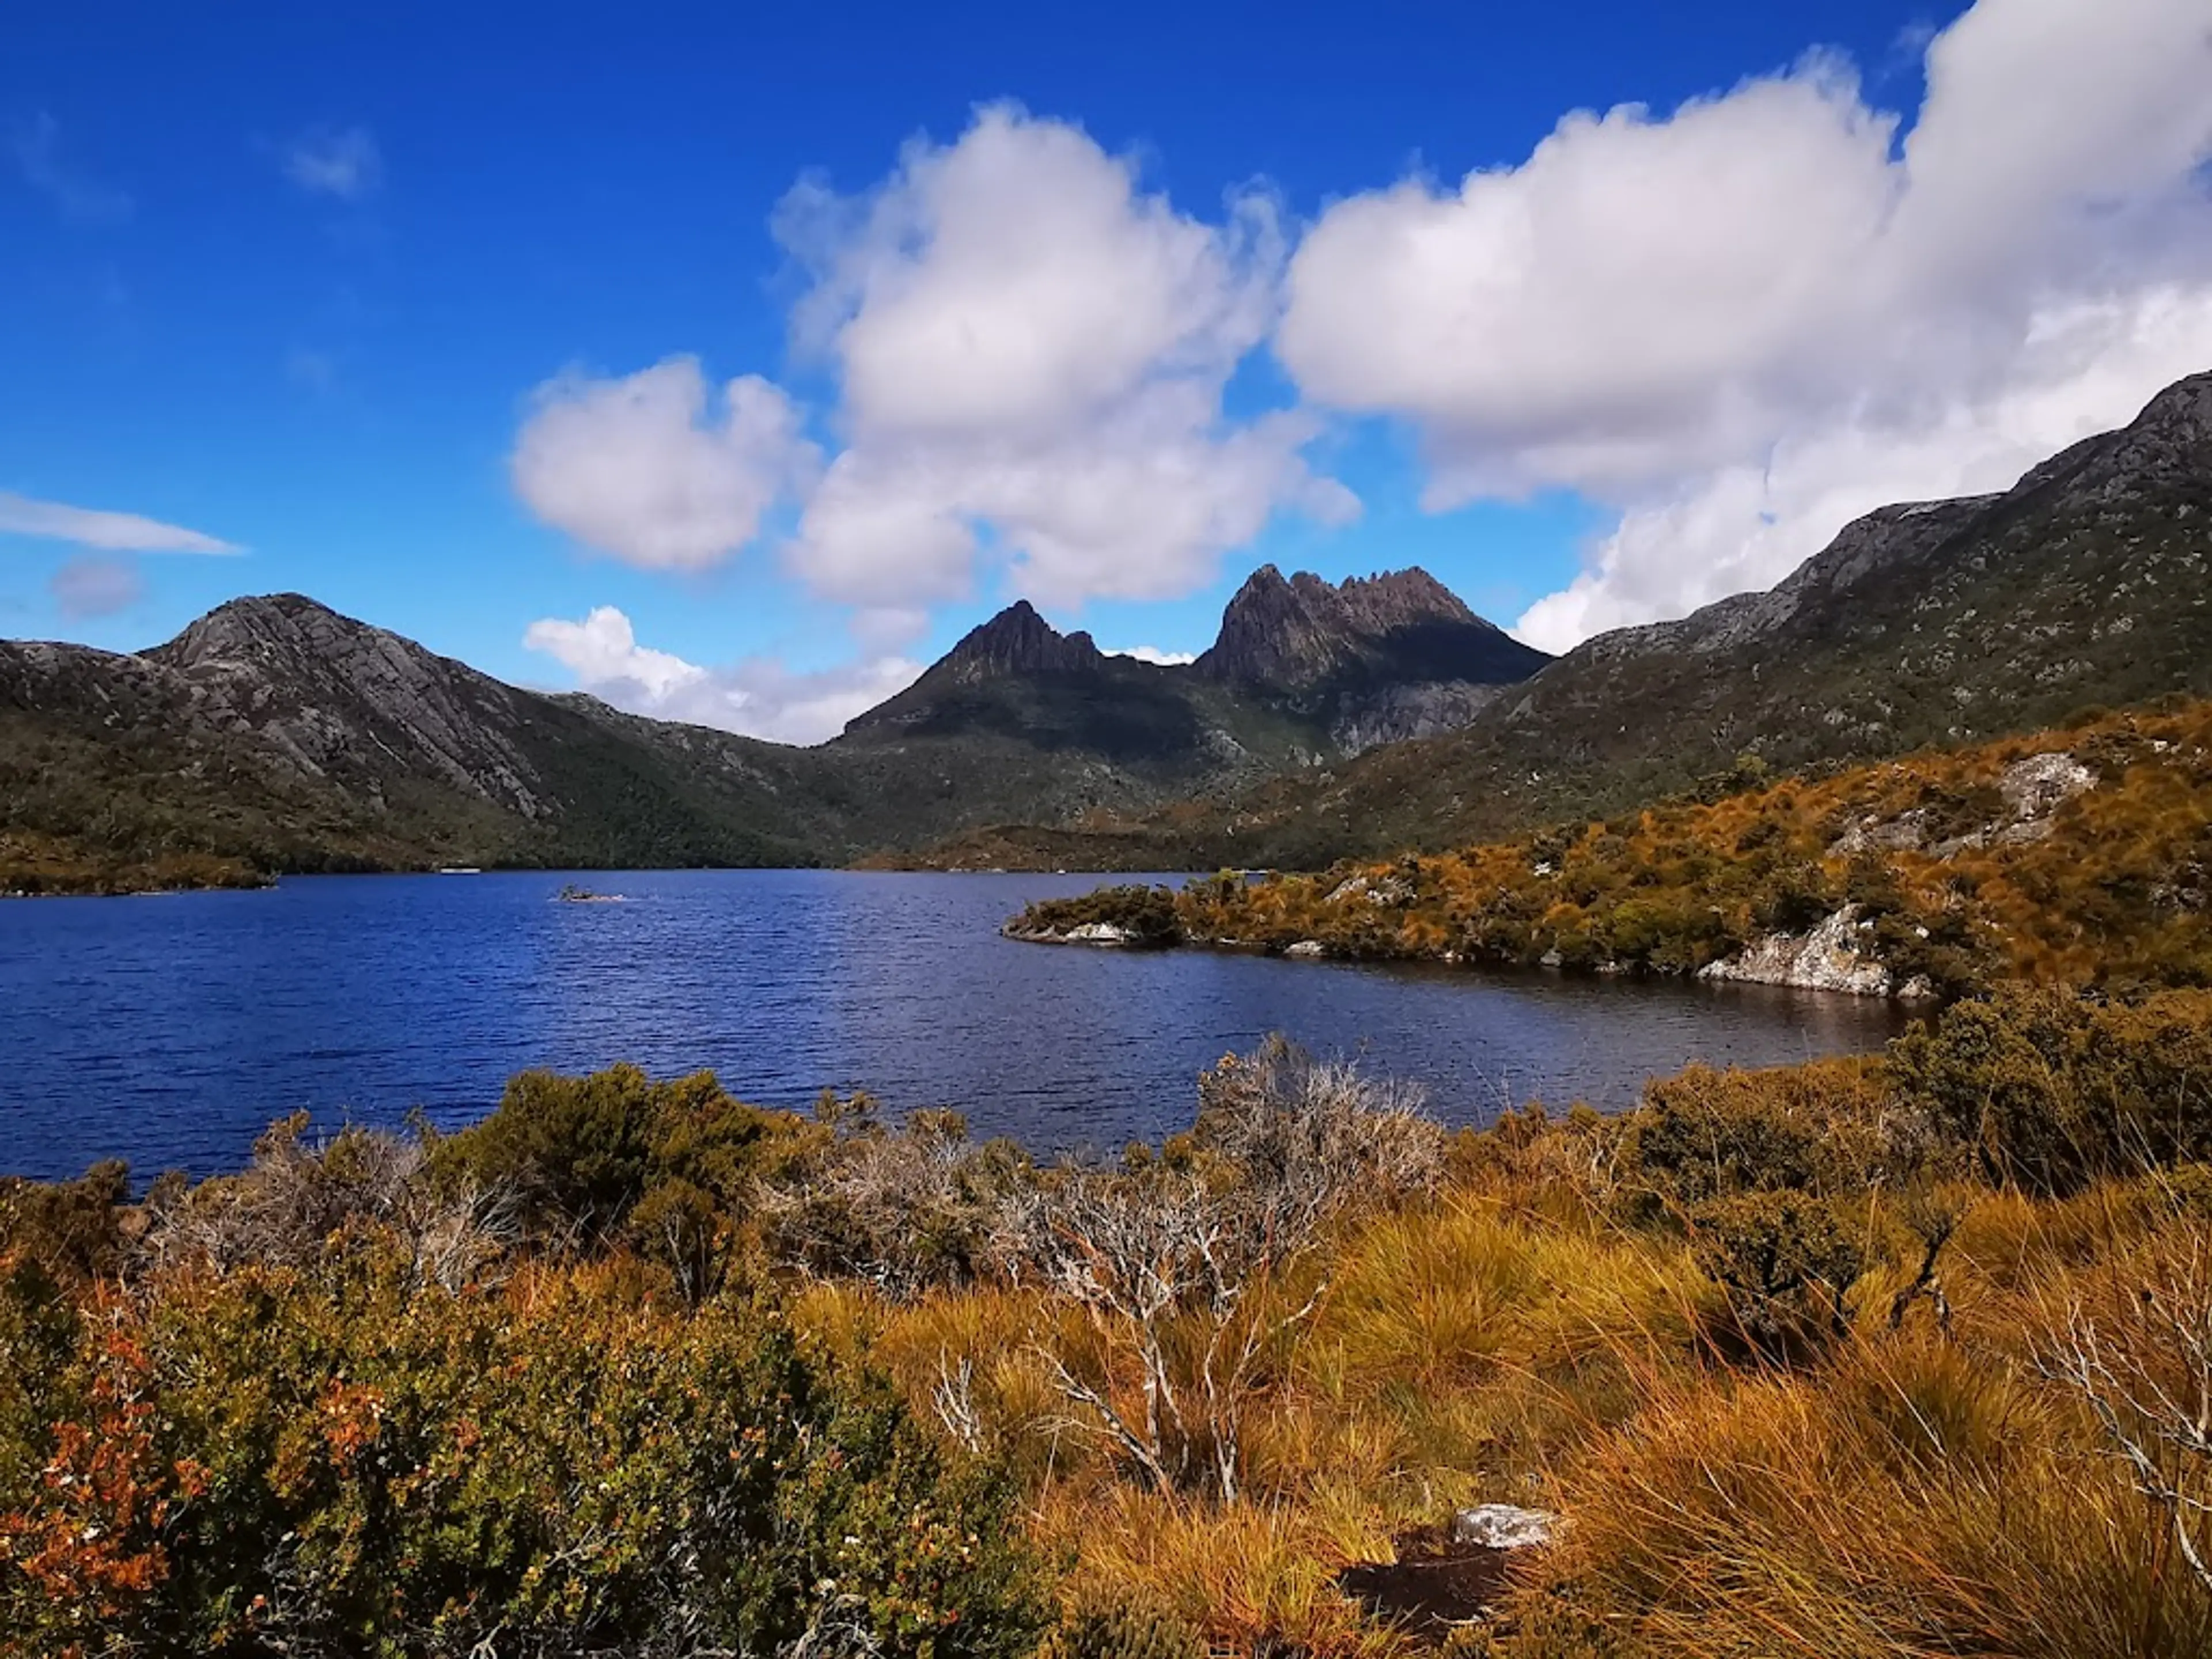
(759, 697)
(340, 161)
(656, 469)
(1152, 653)
(91, 585)
(1032, 353)
(116, 533)
(38, 147)
(1745, 322)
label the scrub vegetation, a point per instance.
(1903, 1355)
(2079, 857)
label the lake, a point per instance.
(169, 1030)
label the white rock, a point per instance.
(1827, 959)
(2033, 787)
(1306, 947)
(1505, 1527)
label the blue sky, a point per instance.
(297, 280)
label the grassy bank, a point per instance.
(1902, 1356)
(32, 866)
(2081, 857)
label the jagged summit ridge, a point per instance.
(1290, 634)
(1018, 641)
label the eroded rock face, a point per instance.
(333, 695)
(1403, 629)
(1827, 959)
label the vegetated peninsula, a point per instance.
(276, 736)
(2080, 857)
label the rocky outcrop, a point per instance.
(1104, 934)
(1832, 957)
(1443, 1579)
(2031, 790)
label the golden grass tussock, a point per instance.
(1918, 1498)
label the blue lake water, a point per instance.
(170, 1030)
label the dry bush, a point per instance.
(298, 1201)
(903, 1210)
(2142, 1362)
(1196, 1267)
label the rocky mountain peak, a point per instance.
(260, 627)
(1018, 642)
(1290, 634)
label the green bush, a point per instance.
(1148, 915)
(1827, 1126)
(339, 1464)
(70, 1229)
(1786, 1262)
(2052, 1090)
(592, 1161)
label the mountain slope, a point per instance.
(1933, 623)
(275, 734)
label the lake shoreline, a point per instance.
(171, 1034)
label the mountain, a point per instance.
(1301, 671)
(1371, 660)
(275, 734)
(1935, 622)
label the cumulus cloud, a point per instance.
(1747, 321)
(115, 532)
(91, 585)
(657, 469)
(759, 697)
(1031, 352)
(1152, 653)
(340, 161)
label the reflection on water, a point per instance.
(170, 1030)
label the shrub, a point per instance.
(613, 1157)
(2053, 1090)
(1827, 1126)
(906, 1211)
(298, 1203)
(72, 1230)
(1786, 1261)
(271, 1464)
(1194, 1268)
